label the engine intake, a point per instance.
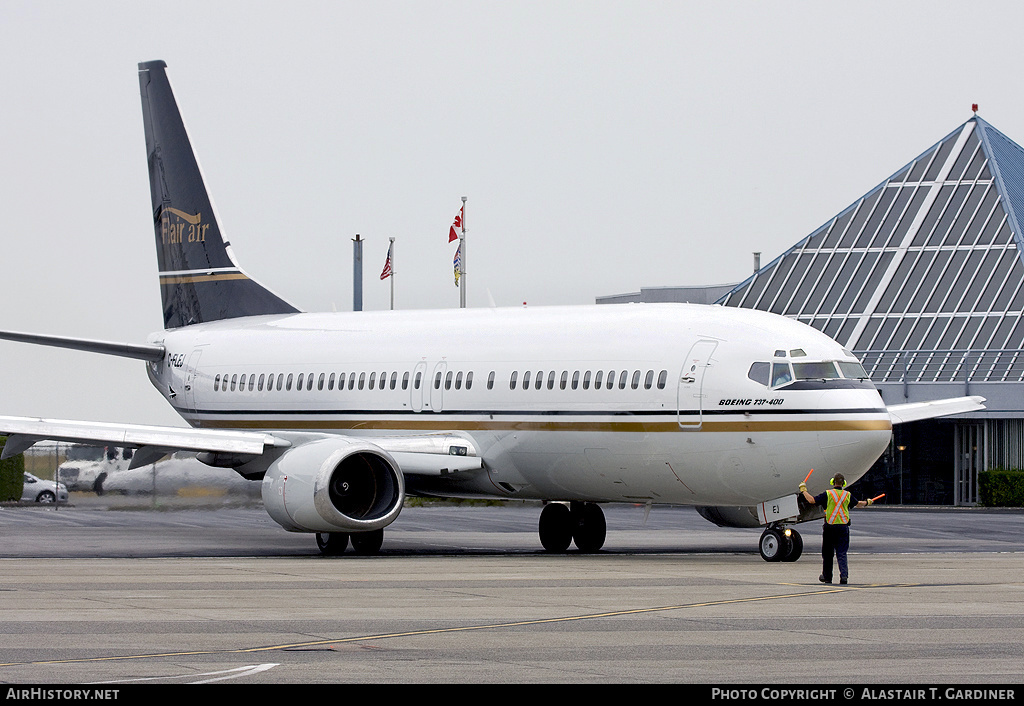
(334, 485)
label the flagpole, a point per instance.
(391, 249)
(462, 258)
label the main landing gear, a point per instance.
(781, 543)
(363, 543)
(581, 523)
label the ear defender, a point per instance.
(832, 481)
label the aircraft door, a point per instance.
(191, 375)
(437, 386)
(418, 389)
(690, 393)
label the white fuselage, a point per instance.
(677, 416)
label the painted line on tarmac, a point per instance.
(464, 628)
(222, 675)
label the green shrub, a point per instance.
(1001, 488)
(12, 475)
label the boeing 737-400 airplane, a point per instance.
(341, 415)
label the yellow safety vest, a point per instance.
(837, 508)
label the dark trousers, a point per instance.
(835, 540)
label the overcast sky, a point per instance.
(603, 147)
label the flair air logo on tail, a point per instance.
(176, 226)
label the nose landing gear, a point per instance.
(780, 543)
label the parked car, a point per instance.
(38, 490)
(87, 466)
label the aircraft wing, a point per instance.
(914, 411)
(427, 454)
(152, 441)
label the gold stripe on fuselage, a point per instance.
(807, 425)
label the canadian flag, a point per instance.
(456, 225)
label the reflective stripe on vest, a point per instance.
(837, 510)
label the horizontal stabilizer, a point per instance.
(139, 351)
(915, 411)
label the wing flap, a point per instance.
(915, 411)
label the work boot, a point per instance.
(823, 579)
(842, 579)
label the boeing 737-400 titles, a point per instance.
(340, 416)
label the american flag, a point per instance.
(457, 262)
(387, 265)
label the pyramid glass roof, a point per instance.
(923, 276)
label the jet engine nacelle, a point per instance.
(334, 485)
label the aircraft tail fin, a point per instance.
(199, 278)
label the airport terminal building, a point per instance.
(923, 279)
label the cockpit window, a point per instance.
(781, 374)
(759, 373)
(852, 370)
(815, 371)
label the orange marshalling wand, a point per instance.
(876, 499)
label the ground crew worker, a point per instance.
(835, 533)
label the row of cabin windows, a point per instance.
(598, 379)
(304, 381)
(451, 379)
(353, 381)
